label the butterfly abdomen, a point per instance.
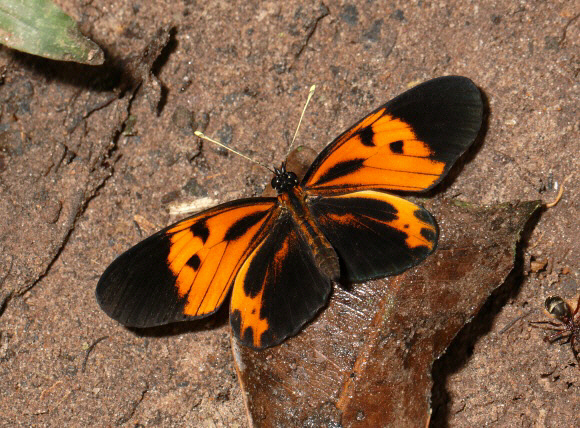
(325, 257)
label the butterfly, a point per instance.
(279, 256)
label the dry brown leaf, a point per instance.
(366, 360)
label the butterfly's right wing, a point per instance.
(408, 144)
(186, 270)
(375, 234)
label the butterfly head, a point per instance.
(284, 180)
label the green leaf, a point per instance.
(39, 27)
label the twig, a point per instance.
(511, 323)
(89, 350)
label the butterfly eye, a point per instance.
(292, 178)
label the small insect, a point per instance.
(567, 326)
(279, 256)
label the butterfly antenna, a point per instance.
(205, 137)
(310, 93)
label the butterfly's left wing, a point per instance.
(375, 234)
(408, 144)
(186, 270)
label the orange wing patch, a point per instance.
(206, 252)
(249, 307)
(385, 153)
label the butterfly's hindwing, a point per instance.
(185, 270)
(408, 144)
(278, 288)
(375, 234)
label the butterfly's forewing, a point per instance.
(187, 269)
(408, 144)
(375, 234)
(278, 288)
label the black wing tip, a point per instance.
(132, 314)
(447, 113)
(452, 99)
(129, 293)
(431, 235)
(451, 82)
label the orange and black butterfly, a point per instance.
(279, 255)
